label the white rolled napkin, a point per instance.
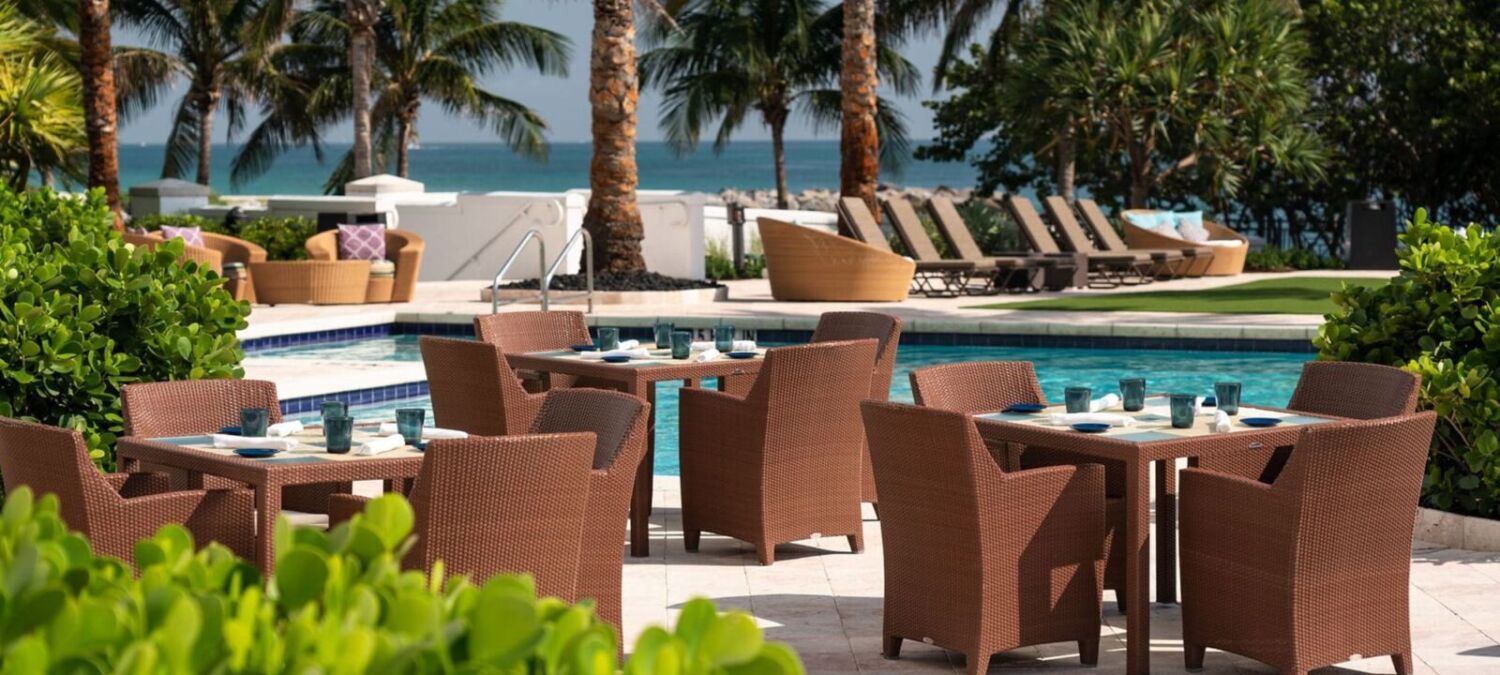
(1221, 424)
(632, 353)
(380, 445)
(1109, 401)
(708, 355)
(626, 345)
(428, 433)
(291, 428)
(231, 441)
(739, 346)
(1066, 419)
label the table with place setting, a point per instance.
(1139, 439)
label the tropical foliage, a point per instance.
(283, 238)
(41, 106)
(1440, 318)
(82, 313)
(338, 602)
(723, 60)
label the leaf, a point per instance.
(730, 640)
(300, 577)
(390, 517)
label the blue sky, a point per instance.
(562, 101)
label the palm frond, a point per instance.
(142, 77)
(182, 142)
(503, 44)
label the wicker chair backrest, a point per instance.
(183, 407)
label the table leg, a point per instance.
(640, 501)
(1166, 531)
(267, 509)
(1137, 567)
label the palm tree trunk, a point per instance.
(613, 218)
(403, 139)
(206, 108)
(778, 151)
(362, 17)
(859, 143)
(96, 63)
(48, 179)
(1067, 163)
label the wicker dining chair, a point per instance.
(473, 388)
(980, 560)
(522, 332)
(196, 407)
(783, 462)
(118, 509)
(1311, 570)
(1360, 391)
(488, 505)
(618, 422)
(988, 386)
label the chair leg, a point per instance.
(1402, 662)
(766, 553)
(892, 647)
(690, 539)
(857, 542)
(1192, 655)
(978, 663)
(1088, 651)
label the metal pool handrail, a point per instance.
(532, 234)
(588, 269)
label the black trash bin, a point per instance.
(1372, 235)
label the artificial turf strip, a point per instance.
(1291, 295)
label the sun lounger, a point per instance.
(1104, 270)
(1164, 262)
(1197, 258)
(1038, 271)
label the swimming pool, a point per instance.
(1268, 377)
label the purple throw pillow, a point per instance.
(192, 236)
(362, 242)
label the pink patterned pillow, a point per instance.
(192, 236)
(362, 242)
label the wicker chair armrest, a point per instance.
(323, 246)
(234, 249)
(1244, 522)
(405, 249)
(1217, 231)
(343, 507)
(167, 507)
(139, 484)
(1064, 505)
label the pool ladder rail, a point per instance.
(581, 237)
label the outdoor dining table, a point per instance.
(1150, 439)
(639, 377)
(308, 463)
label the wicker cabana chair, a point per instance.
(1168, 263)
(488, 505)
(522, 332)
(311, 282)
(804, 264)
(1361, 391)
(1198, 258)
(988, 386)
(116, 510)
(217, 250)
(473, 388)
(193, 407)
(1311, 570)
(1228, 260)
(401, 247)
(958, 573)
(782, 463)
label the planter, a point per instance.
(694, 296)
(1470, 533)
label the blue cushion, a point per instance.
(1148, 220)
(1193, 219)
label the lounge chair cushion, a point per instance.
(191, 236)
(1224, 243)
(1146, 220)
(362, 242)
(382, 268)
(1190, 226)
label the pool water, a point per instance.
(1268, 377)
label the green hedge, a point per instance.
(83, 313)
(1440, 318)
(337, 603)
(283, 238)
(1277, 259)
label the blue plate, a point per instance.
(256, 453)
(1260, 421)
(742, 355)
(232, 431)
(1025, 408)
(1091, 427)
(1210, 402)
(583, 348)
(617, 358)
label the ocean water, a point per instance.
(484, 167)
(1268, 377)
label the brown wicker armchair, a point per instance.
(188, 407)
(1311, 570)
(521, 332)
(401, 247)
(474, 389)
(782, 463)
(988, 386)
(116, 510)
(217, 250)
(1361, 391)
(977, 559)
(807, 264)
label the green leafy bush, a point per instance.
(718, 261)
(1439, 318)
(337, 603)
(154, 222)
(1276, 259)
(82, 313)
(283, 238)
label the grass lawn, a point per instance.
(1291, 295)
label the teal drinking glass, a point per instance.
(608, 340)
(409, 423)
(333, 409)
(339, 431)
(724, 337)
(682, 344)
(1228, 395)
(664, 331)
(1077, 399)
(1133, 393)
(253, 422)
(1183, 407)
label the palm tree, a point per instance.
(613, 219)
(725, 60)
(41, 106)
(962, 18)
(859, 138)
(96, 64)
(213, 45)
(361, 16)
